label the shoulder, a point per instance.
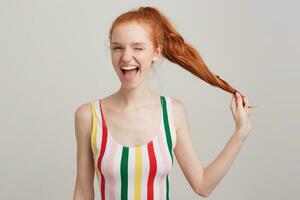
(179, 112)
(84, 111)
(83, 119)
(178, 106)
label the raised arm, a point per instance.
(84, 186)
(203, 180)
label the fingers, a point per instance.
(245, 100)
(239, 100)
(246, 106)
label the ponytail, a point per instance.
(174, 48)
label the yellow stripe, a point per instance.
(94, 128)
(138, 173)
(94, 137)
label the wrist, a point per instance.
(240, 135)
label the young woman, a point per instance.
(128, 138)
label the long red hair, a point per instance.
(174, 48)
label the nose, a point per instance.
(126, 56)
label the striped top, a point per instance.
(133, 172)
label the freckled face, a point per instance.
(130, 45)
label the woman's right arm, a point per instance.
(84, 186)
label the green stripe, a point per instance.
(124, 173)
(166, 124)
(167, 182)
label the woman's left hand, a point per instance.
(241, 114)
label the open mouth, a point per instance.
(130, 72)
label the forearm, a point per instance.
(81, 193)
(216, 170)
(78, 196)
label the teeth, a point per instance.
(129, 67)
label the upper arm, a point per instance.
(184, 150)
(84, 186)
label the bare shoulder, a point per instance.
(179, 113)
(83, 111)
(83, 120)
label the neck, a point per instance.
(135, 98)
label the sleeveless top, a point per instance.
(133, 172)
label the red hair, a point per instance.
(174, 48)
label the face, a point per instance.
(132, 53)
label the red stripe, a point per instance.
(152, 171)
(103, 145)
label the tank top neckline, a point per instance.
(154, 139)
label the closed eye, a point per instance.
(134, 48)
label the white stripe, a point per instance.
(110, 172)
(165, 155)
(166, 149)
(104, 168)
(160, 169)
(117, 173)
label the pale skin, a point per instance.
(136, 102)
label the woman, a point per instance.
(129, 137)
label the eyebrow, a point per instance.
(134, 43)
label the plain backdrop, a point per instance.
(55, 57)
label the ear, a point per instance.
(157, 53)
